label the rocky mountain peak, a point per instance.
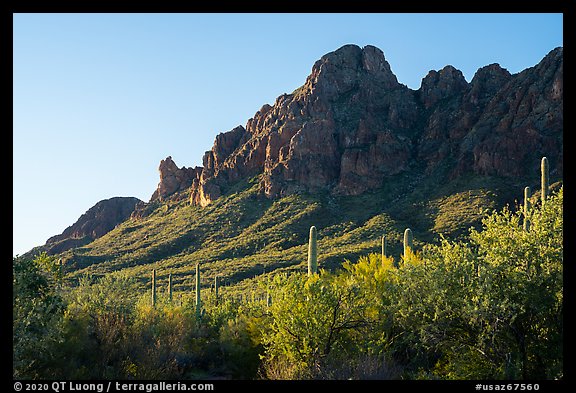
(487, 81)
(352, 126)
(438, 85)
(343, 70)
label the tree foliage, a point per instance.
(35, 315)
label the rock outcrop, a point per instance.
(96, 222)
(173, 179)
(522, 121)
(352, 125)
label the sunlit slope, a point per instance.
(243, 235)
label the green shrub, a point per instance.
(37, 310)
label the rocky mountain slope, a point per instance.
(352, 125)
(353, 152)
(96, 222)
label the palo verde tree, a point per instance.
(311, 320)
(489, 307)
(36, 314)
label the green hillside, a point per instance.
(243, 235)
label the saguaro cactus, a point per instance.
(198, 299)
(383, 248)
(408, 238)
(268, 298)
(216, 288)
(153, 287)
(526, 208)
(170, 287)
(544, 168)
(312, 252)
(60, 269)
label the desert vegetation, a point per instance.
(484, 305)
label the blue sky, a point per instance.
(100, 99)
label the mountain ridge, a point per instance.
(310, 140)
(354, 153)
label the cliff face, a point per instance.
(352, 125)
(173, 179)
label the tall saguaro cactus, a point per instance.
(170, 287)
(198, 299)
(526, 208)
(408, 239)
(544, 168)
(383, 248)
(153, 287)
(60, 269)
(312, 252)
(216, 288)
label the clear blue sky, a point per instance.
(100, 99)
